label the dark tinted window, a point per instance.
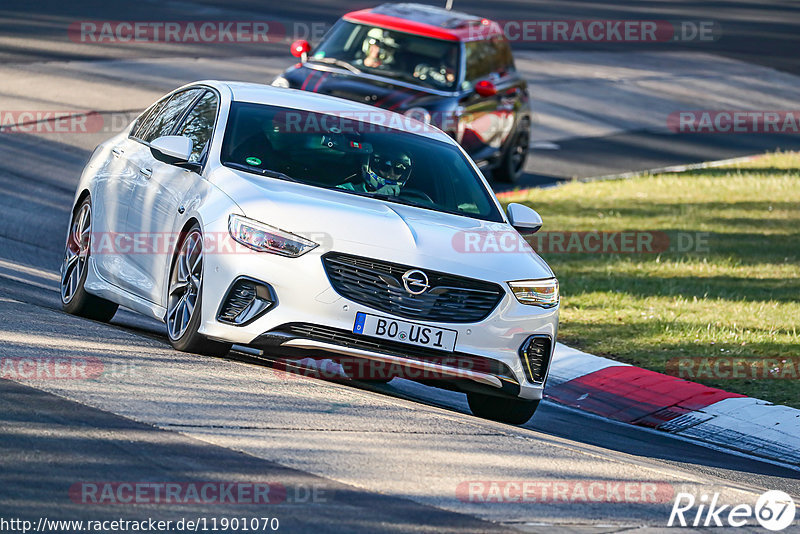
(166, 119)
(488, 57)
(347, 155)
(199, 125)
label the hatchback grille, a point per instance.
(378, 284)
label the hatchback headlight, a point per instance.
(542, 293)
(265, 238)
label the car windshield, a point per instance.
(343, 153)
(411, 58)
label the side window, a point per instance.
(488, 57)
(199, 125)
(479, 60)
(165, 120)
(146, 118)
(505, 59)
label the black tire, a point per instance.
(187, 338)
(503, 409)
(74, 298)
(512, 164)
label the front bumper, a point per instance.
(387, 359)
(305, 297)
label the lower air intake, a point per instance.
(246, 301)
(535, 356)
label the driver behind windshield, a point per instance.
(378, 48)
(385, 172)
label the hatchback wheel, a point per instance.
(74, 298)
(502, 409)
(185, 298)
(513, 162)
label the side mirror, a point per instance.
(172, 149)
(485, 88)
(524, 220)
(300, 48)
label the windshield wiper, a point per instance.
(263, 172)
(338, 62)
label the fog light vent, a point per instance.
(535, 356)
(247, 299)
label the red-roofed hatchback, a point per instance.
(453, 70)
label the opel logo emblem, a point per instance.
(415, 282)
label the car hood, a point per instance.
(375, 92)
(383, 230)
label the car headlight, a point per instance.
(265, 238)
(542, 293)
(280, 81)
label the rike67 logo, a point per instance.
(774, 510)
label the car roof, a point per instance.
(427, 21)
(307, 101)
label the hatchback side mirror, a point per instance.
(524, 219)
(300, 48)
(172, 149)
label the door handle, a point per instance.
(117, 152)
(147, 173)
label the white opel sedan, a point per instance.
(314, 227)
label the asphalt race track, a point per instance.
(165, 415)
(351, 457)
(761, 34)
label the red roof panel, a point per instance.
(466, 33)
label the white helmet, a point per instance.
(381, 38)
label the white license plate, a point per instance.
(405, 332)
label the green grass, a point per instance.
(737, 296)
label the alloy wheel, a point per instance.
(77, 253)
(520, 150)
(185, 283)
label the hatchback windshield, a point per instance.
(337, 151)
(412, 58)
